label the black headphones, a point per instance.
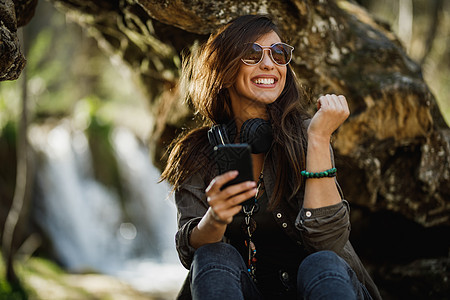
(255, 132)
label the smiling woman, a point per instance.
(294, 226)
(259, 83)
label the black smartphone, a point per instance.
(235, 157)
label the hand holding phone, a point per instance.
(235, 157)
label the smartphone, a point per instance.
(235, 157)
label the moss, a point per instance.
(41, 266)
(10, 291)
(43, 279)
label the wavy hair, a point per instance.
(207, 73)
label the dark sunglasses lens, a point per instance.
(253, 55)
(281, 54)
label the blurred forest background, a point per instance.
(89, 127)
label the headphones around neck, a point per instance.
(255, 132)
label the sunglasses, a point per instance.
(280, 53)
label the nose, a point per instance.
(266, 62)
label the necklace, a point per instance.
(249, 225)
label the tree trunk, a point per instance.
(13, 14)
(13, 231)
(394, 150)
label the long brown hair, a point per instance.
(206, 76)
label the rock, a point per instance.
(12, 60)
(420, 279)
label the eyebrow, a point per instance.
(266, 46)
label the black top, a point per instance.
(278, 256)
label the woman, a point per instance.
(292, 240)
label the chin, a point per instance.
(267, 99)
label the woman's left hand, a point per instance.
(332, 112)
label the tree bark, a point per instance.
(394, 150)
(395, 146)
(13, 14)
(17, 215)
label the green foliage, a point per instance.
(36, 275)
(41, 267)
(9, 102)
(103, 158)
(64, 67)
(39, 50)
(11, 293)
(43, 279)
(8, 291)
(9, 133)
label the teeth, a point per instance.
(265, 81)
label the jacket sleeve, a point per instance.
(325, 228)
(191, 205)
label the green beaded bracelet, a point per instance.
(328, 173)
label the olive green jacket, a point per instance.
(326, 228)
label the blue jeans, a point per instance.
(219, 272)
(325, 275)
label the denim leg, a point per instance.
(218, 272)
(325, 275)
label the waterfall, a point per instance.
(151, 204)
(85, 220)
